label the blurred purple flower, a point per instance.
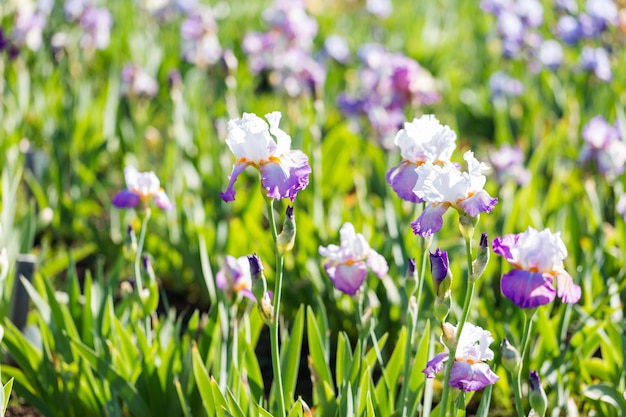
(284, 171)
(28, 29)
(96, 23)
(603, 12)
(596, 60)
(74, 9)
(347, 264)
(337, 48)
(503, 85)
(235, 277)
(379, 8)
(200, 43)
(538, 261)
(141, 187)
(568, 6)
(137, 82)
(508, 163)
(568, 29)
(605, 145)
(550, 54)
(621, 206)
(469, 371)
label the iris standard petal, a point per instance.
(566, 290)
(229, 194)
(163, 201)
(480, 202)
(435, 365)
(126, 199)
(347, 278)
(377, 263)
(502, 246)
(402, 179)
(430, 221)
(527, 289)
(471, 376)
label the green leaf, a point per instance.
(290, 360)
(485, 402)
(234, 405)
(607, 394)
(346, 402)
(344, 359)
(221, 406)
(203, 381)
(316, 350)
(6, 393)
(126, 390)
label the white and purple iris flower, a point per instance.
(605, 145)
(469, 371)
(347, 264)
(235, 277)
(424, 139)
(538, 261)
(141, 187)
(284, 172)
(444, 186)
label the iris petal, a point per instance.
(126, 199)
(229, 194)
(430, 221)
(527, 289)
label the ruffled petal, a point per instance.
(430, 221)
(527, 289)
(566, 290)
(435, 365)
(347, 278)
(377, 263)
(471, 376)
(163, 201)
(126, 199)
(229, 194)
(480, 202)
(402, 179)
(502, 246)
(285, 179)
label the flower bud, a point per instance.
(130, 242)
(440, 270)
(442, 308)
(449, 335)
(287, 236)
(259, 285)
(482, 258)
(266, 309)
(467, 224)
(537, 396)
(510, 357)
(410, 282)
(147, 267)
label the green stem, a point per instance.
(469, 294)
(412, 325)
(517, 379)
(278, 287)
(142, 238)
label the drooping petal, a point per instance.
(285, 178)
(566, 290)
(480, 202)
(471, 376)
(229, 194)
(126, 199)
(377, 263)
(527, 289)
(430, 221)
(347, 278)
(163, 201)
(435, 365)
(402, 179)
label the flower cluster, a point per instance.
(141, 187)
(388, 83)
(538, 261)
(283, 53)
(95, 22)
(30, 20)
(604, 143)
(347, 264)
(469, 371)
(200, 46)
(284, 171)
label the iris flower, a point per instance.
(284, 172)
(235, 277)
(469, 371)
(141, 187)
(423, 139)
(445, 186)
(347, 264)
(538, 261)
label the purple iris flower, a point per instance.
(96, 23)
(137, 82)
(503, 85)
(469, 371)
(603, 12)
(605, 145)
(508, 163)
(445, 186)
(200, 43)
(568, 29)
(284, 172)
(550, 54)
(423, 139)
(597, 60)
(347, 264)
(538, 261)
(235, 277)
(141, 187)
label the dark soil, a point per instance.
(21, 410)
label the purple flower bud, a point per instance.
(537, 396)
(410, 283)
(440, 270)
(256, 267)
